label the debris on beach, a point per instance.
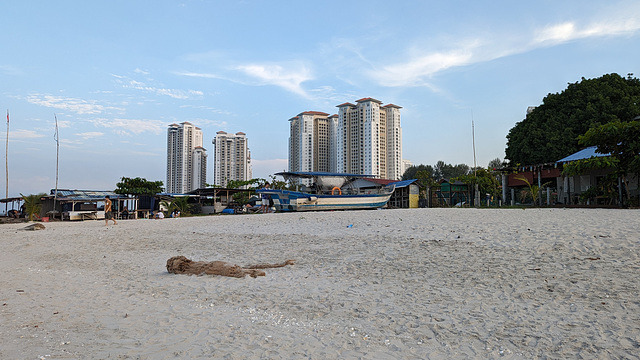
(36, 226)
(183, 265)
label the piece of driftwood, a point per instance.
(36, 226)
(183, 265)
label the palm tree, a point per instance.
(32, 204)
(179, 204)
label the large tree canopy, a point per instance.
(550, 132)
(138, 186)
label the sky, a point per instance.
(116, 73)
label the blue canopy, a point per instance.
(402, 183)
(585, 153)
(317, 173)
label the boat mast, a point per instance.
(6, 165)
(55, 136)
(475, 165)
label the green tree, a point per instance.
(180, 204)
(550, 132)
(138, 186)
(533, 192)
(448, 171)
(487, 183)
(496, 164)
(411, 172)
(32, 204)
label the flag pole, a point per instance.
(6, 165)
(55, 136)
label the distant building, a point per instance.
(231, 158)
(365, 138)
(312, 142)
(405, 165)
(186, 159)
(369, 139)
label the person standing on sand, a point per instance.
(108, 215)
(265, 200)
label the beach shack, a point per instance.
(84, 204)
(216, 200)
(404, 196)
(450, 193)
(594, 187)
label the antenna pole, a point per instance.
(55, 136)
(6, 165)
(475, 165)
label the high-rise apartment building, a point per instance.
(231, 158)
(312, 142)
(186, 159)
(363, 138)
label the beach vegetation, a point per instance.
(532, 192)
(485, 179)
(138, 186)
(550, 131)
(180, 204)
(32, 205)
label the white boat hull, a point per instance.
(284, 200)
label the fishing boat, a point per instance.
(321, 191)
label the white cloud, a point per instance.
(174, 93)
(201, 75)
(77, 106)
(419, 67)
(131, 126)
(568, 31)
(90, 134)
(290, 79)
(22, 134)
(414, 71)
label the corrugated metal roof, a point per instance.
(582, 154)
(318, 173)
(403, 183)
(85, 195)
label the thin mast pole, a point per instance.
(55, 136)
(475, 165)
(6, 165)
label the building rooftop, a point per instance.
(369, 99)
(313, 113)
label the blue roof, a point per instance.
(85, 195)
(403, 183)
(585, 153)
(318, 173)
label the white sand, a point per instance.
(398, 284)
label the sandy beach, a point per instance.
(379, 284)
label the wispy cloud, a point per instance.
(420, 67)
(9, 70)
(78, 106)
(287, 75)
(90, 134)
(568, 31)
(290, 79)
(174, 93)
(22, 134)
(131, 126)
(200, 75)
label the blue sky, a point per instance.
(117, 73)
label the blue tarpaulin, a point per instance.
(582, 154)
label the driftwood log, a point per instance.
(183, 265)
